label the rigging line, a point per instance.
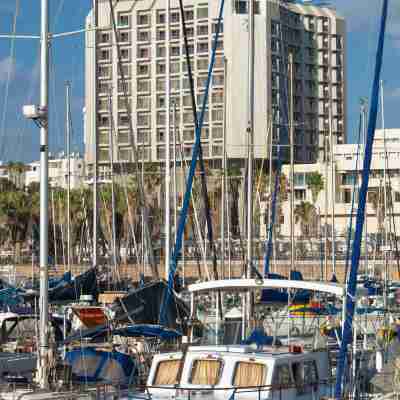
(355, 184)
(355, 257)
(142, 197)
(201, 160)
(11, 66)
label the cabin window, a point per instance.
(305, 376)
(167, 372)
(281, 376)
(206, 372)
(249, 374)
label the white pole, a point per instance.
(95, 147)
(167, 149)
(44, 197)
(291, 127)
(68, 134)
(224, 166)
(174, 165)
(333, 191)
(111, 152)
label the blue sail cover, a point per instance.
(259, 338)
(90, 365)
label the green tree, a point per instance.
(305, 214)
(315, 182)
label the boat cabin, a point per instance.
(219, 372)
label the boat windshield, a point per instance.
(249, 374)
(206, 372)
(167, 372)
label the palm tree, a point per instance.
(315, 182)
(305, 214)
(15, 212)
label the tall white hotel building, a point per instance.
(314, 35)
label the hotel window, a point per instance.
(122, 103)
(104, 37)
(217, 114)
(123, 137)
(188, 118)
(161, 101)
(201, 81)
(124, 154)
(217, 132)
(126, 69)
(161, 117)
(202, 12)
(190, 31)
(300, 194)
(123, 119)
(175, 84)
(202, 30)
(202, 63)
(143, 85)
(104, 71)
(105, 55)
(143, 119)
(202, 47)
(175, 67)
(104, 87)
(160, 135)
(143, 52)
(188, 135)
(219, 62)
(102, 104)
(124, 86)
(104, 137)
(160, 18)
(143, 69)
(143, 19)
(104, 155)
(175, 34)
(143, 102)
(175, 17)
(160, 51)
(175, 51)
(218, 80)
(103, 120)
(143, 36)
(160, 68)
(218, 97)
(142, 136)
(124, 36)
(189, 15)
(217, 150)
(123, 20)
(125, 54)
(187, 100)
(160, 34)
(176, 100)
(160, 84)
(185, 83)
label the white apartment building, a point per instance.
(314, 35)
(58, 171)
(346, 171)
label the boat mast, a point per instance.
(333, 191)
(250, 139)
(167, 148)
(385, 237)
(223, 194)
(44, 197)
(95, 146)
(174, 166)
(291, 128)
(68, 140)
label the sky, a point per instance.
(19, 69)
